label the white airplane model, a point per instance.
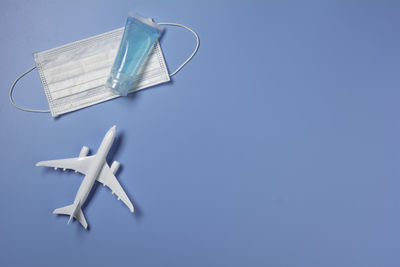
(95, 168)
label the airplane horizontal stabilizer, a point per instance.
(73, 211)
(67, 210)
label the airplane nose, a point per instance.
(112, 131)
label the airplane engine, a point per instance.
(84, 151)
(115, 166)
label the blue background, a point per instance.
(277, 145)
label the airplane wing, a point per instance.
(107, 178)
(80, 164)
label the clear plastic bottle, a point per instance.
(139, 36)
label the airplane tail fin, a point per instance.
(74, 211)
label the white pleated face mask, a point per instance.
(73, 75)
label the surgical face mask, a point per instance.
(74, 75)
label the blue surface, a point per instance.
(278, 145)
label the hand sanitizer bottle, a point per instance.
(139, 36)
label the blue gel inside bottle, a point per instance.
(139, 36)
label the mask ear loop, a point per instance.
(195, 49)
(12, 89)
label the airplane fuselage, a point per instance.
(96, 167)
